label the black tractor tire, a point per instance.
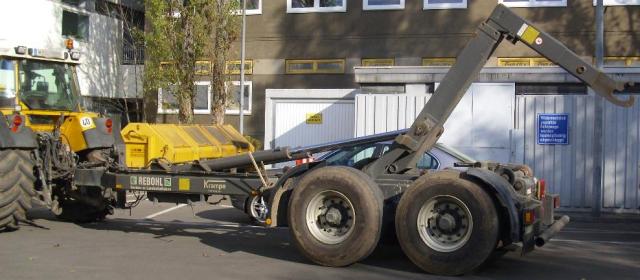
(16, 187)
(338, 189)
(446, 248)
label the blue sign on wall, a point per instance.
(553, 129)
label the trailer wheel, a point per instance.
(446, 225)
(16, 187)
(335, 215)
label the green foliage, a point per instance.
(179, 33)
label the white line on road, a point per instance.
(165, 211)
(597, 241)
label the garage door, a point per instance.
(306, 117)
(480, 125)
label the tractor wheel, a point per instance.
(16, 187)
(335, 215)
(446, 225)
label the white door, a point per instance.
(480, 126)
(307, 122)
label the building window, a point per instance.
(445, 4)
(316, 6)
(318, 66)
(383, 4)
(534, 3)
(524, 62)
(254, 7)
(202, 99)
(439, 61)
(618, 2)
(75, 25)
(233, 103)
(378, 62)
(233, 67)
(168, 104)
(203, 67)
(622, 61)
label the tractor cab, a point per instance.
(40, 84)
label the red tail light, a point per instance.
(542, 188)
(303, 161)
(109, 124)
(15, 124)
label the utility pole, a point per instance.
(599, 117)
(242, 58)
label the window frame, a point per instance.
(446, 61)
(228, 111)
(315, 63)
(444, 6)
(162, 110)
(382, 62)
(203, 72)
(316, 8)
(250, 12)
(203, 111)
(195, 111)
(530, 61)
(79, 14)
(534, 4)
(247, 71)
(367, 7)
(616, 3)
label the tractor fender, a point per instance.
(503, 192)
(23, 137)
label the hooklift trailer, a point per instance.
(447, 222)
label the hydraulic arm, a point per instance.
(503, 24)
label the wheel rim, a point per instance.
(258, 208)
(445, 223)
(330, 217)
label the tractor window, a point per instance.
(47, 86)
(7, 83)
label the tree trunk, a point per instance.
(185, 114)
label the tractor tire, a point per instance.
(335, 215)
(446, 225)
(16, 187)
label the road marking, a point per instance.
(165, 211)
(597, 241)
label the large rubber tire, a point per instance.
(478, 234)
(364, 220)
(16, 187)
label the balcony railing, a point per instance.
(131, 55)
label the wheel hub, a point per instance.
(444, 223)
(330, 217)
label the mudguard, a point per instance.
(21, 137)
(504, 193)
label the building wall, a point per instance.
(406, 35)
(38, 23)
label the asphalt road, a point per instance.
(217, 242)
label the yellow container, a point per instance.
(180, 143)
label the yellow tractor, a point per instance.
(45, 135)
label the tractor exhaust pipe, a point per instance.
(552, 230)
